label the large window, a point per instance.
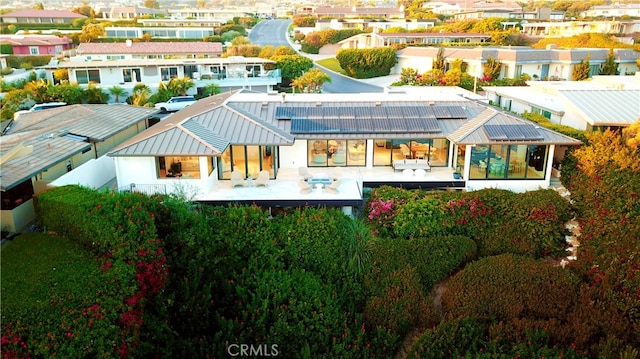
(336, 152)
(17, 195)
(508, 162)
(84, 77)
(178, 166)
(167, 73)
(249, 160)
(435, 150)
(131, 75)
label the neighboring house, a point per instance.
(613, 10)
(550, 63)
(377, 39)
(159, 32)
(375, 25)
(441, 7)
(228, 72)
(571, 28)
(346, 12)
(42, 146)
(40, 17)
(365, 135)
(198, 17)
(37, 44)
(129, 12)
(586, 105)
(129, 50)
(485, 14)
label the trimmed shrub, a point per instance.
(367, 63)
(509, 287)
(421, 218)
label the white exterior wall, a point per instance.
(18, 218)
(143, 171)
(572, 118)
(294, 156)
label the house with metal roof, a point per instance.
(584, 105)
(550, 63)
(346, 12)
(364, 137)
(45, 145)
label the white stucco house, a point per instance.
(413, 140)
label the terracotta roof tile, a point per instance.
(151, 48)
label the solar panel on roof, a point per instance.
(411, 111)
(331, 112)
(284, 113)
(378, 112)
(362, 112)
(315, 113)
(456, 112)
(530, 132)
(494, 132)
(394, 112)
(516, 132)
(441, 112)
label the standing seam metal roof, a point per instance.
(605, 107)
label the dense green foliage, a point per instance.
(314, 41)
(588, 40)
(499, 221)
(367, 63)
(158, 277)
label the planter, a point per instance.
(457, 175)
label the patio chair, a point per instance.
(263, 179)
(333, 188)
(305, 188)
(237, 179)
(304, 172)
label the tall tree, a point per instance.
(91, 32)
(610, 67)
(85, 10)
(117, 91)
(38, 6)
(439, 62)
(581, 70)
(151, 4)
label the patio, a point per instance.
(284, 191)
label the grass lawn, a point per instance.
(332, 64)
(37, 268)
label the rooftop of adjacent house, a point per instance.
(605, 107)
(209, 126)
(34, 40)
(338, 10)
(159, 62)
(29, 13)
(96, 122)
(531, 95)
(42, 139)
(90, 48)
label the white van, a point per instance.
(39, 107)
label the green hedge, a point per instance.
(119, 231)
(18, 62)
(509, 287)
(367, 63)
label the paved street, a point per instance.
(274, 32)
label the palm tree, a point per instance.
(180, 86)
(116, 91)
(140, 95)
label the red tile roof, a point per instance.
(43, 13)
(150, 48)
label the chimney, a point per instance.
(129, 43)
(283, 94)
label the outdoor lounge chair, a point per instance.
(237, 179)
(304, 172)
(333, 188)
(304, 187)
(263, 179)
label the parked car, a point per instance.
(39, 107)
(175, 103)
